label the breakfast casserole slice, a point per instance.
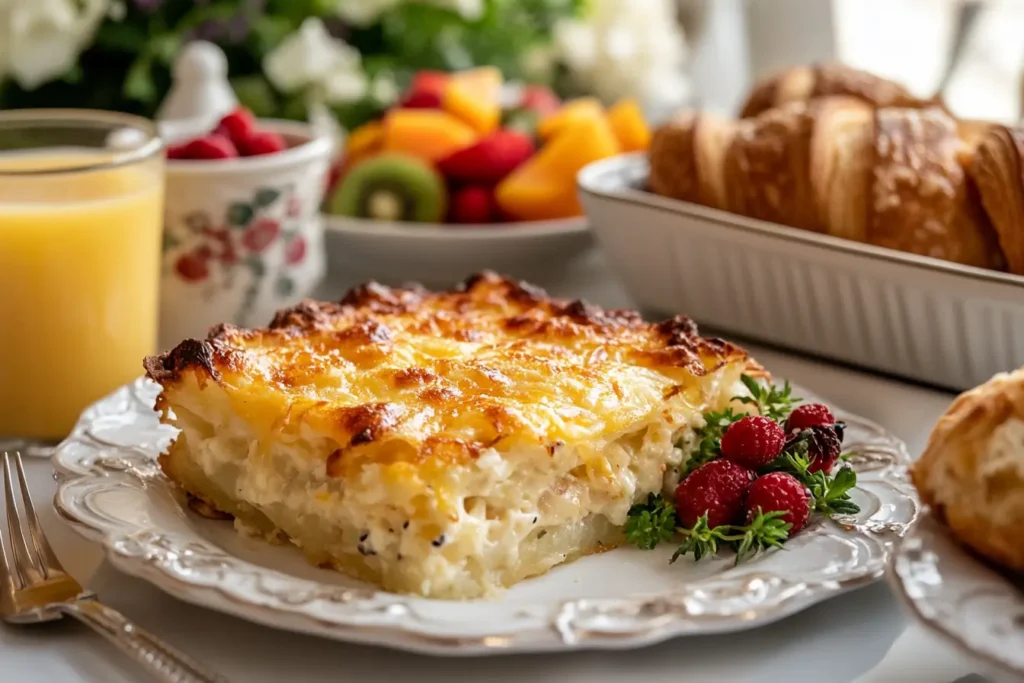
(446, 444)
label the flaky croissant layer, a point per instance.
(892, 177)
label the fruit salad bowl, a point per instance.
(467, 171)
(435, 254)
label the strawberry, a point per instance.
(540, 99)
(212, 146)
(809, 415)
(426, 91)
(262, 142)
(429, 81)
(472, 204)
(753, 441)
(421, 100)
(489, 160)
(716, 490)
(780, 492)
(237, 125)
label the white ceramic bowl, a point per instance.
(933, 321)
(437, 255)
(242, 237)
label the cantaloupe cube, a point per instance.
(474, 96)
(630, 127)
(429, 134)
(571, 112)
(545, 186)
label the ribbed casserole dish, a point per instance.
(920, 318)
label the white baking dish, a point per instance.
(921, 318)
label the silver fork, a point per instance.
(35, 588)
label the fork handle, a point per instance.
(163, 662)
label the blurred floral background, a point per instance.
(354, 56)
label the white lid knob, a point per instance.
(200, 90)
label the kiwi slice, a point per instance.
(391, 187)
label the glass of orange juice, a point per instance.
(81, 206)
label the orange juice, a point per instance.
(79, 270)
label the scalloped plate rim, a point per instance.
(415, 635)
(926, 526)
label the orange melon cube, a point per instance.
(364, 141)
(573, 111)
(429, 134)
(474, 96)
(545, 186)
(630, 127)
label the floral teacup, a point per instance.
(242, 237)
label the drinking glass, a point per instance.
(81, 209)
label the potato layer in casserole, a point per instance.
(444, 444)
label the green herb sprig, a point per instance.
(650, 523)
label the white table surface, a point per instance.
(862, 636)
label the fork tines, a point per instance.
(31, 560)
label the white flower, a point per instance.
(41, 39)
(626, 48)
(384, 89)
(312, 61)
(364, 12)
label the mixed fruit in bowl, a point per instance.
(458, 149)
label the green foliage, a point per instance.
(128, 66)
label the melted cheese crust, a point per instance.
(447, 443)
(395, 375)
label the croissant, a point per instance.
(686, 158)
(997, 169)
(802, 83)
(891, 177)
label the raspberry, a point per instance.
(262, 142)
(211, 146)
(715, 489)
(778, 492)
(472, 205)
(809, 415)
(753, 441)
(823, 447)
(238, 125)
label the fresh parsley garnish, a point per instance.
(650, 523)
(770, 400)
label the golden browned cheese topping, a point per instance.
(768, 167)
(445, 375)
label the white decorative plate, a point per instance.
(111, 491)
(961, 597)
